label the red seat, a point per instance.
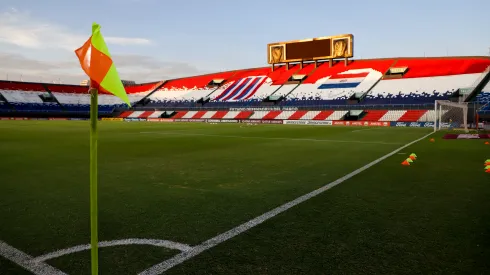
(374, 115)
(412, 115)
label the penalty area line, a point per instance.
(198, 249)
(26, 261)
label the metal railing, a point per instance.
(482, 108)
(476, 83)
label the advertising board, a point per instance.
(135, 119)
(221, 121)
(160, 119)
(189, 120)
(422, 124)
(362, 123)
(309, 122)
(112, 119)
(262, 121)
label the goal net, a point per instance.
(450, 115)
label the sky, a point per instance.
(152, 40)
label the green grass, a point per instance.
(189, 182)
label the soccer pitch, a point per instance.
(213, 199)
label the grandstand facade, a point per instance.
(374, 90)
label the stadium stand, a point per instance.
(375, 115)
(76, 98)
(55, 98)
(483, 98)
(334, 85)
(391, 89)
(186, 91)
(425, 80)
(27, 97)
(243, 87)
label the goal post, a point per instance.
(449, 115)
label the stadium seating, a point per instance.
(417, 90)
(366, 84)
(240, 88)
(427, 80)
(484, 96)
(4, 107)
(77, 99)
(245, 88)
(412, 115)
(374, 115)
(26, 97)
(371, 115)
(334, 85)
(484, 99)
(392, 115)
(37, 97)
(186, 91)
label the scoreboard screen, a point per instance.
(339, 46)
(308, 49)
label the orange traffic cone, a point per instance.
(432, 140)
(488, 171)
(406, 163)
(412, 157)
(487, 143)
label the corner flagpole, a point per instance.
(93, 180)
(96, 62)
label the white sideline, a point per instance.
(196, 250)
(26, 261)
(78, 248)
(274, 138)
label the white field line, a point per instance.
(275, 138)
(26, 261)
(78, 248)
(196, 250)
(368, 129)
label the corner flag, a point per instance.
(96, 61)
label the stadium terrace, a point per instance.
(396, 89)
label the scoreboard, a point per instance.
(321, 48)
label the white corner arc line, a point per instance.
(78, 248)
(26, 261)
(196, 250)
(274, 138)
